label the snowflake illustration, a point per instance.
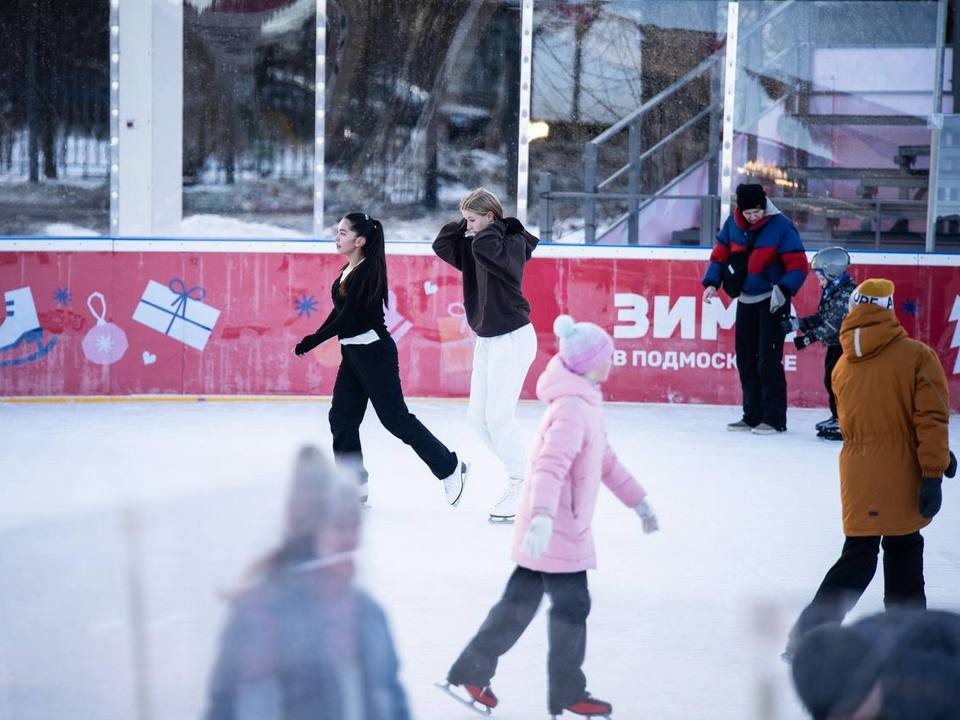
(305, 305)
(62, 296)
(104, 343)
(910, 306)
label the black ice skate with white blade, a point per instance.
(479, 699)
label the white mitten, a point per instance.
(537, 539)
(647, 517)
(777, 299)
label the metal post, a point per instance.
(148, 94)
(876, 229)
(729, 107)
(523, 150)
(930, 242)
(708, 219)
(319, 122)
(938, 70)
(633, 184)
(590, 187)
(716, 103)
(933, 182)
(114, 228)
(544, 208)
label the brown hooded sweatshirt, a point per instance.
(894, 410)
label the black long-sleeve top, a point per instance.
(350, 316)
(492, 267)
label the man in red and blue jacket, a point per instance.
(776, 268)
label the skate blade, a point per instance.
(472, 704)
(588, 717)
(499, 520)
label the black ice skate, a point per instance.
(830, 430)
(829, 421)
(587, 706)
(479, 699)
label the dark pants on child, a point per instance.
(846, 581)
(372, 372)
(829, 363)
(570, 605)
(759, 346)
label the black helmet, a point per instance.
(832, 262)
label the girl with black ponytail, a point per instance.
(369, 367)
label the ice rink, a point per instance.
(123, 523)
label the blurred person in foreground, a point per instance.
(892, 666)
(302, 641)
(894, 409)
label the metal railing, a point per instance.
(632, 123)
(709, 209)
(872, 211)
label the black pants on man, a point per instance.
(829, 363)
(849, 577)
(372, 372)
(570, 605)
(759, 346)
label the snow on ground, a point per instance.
(182, 496)
(209, 225)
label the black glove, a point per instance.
(930, 496)
(952, 467)
(791, 324)
(304, 346)
(803, 341)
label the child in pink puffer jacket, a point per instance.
(553, 546)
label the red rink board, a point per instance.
(673, 349)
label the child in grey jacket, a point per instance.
(830, 266)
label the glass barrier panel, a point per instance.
(54, 118)
(248, 117)
(832, 100)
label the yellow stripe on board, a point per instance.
(188, 398)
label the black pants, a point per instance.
(829, 363)
(846, 581)
(570, 605)
(372, 372)
(759, 346)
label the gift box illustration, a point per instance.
(178, 312)
(456, 340)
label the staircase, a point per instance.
(851, 164)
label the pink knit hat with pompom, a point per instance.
(583, 345)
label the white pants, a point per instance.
(500, 365)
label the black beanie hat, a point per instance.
(833, 670)
(751, 196)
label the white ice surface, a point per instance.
(181, 496)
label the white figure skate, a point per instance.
(506, 508)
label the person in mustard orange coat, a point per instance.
(894, 414)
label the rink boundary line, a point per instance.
(50, 399)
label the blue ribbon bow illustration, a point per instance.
(179, 288)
